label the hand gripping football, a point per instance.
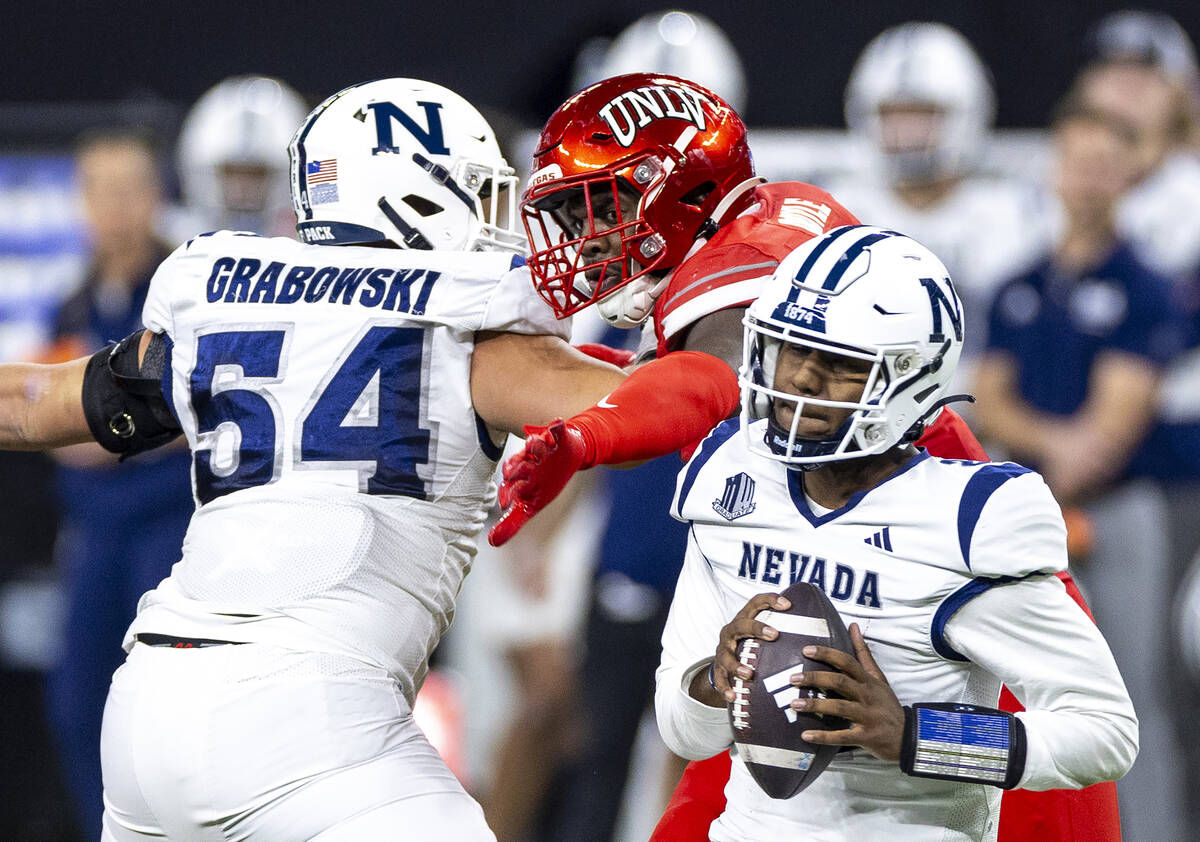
(765, 729)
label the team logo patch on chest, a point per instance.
(738, 499)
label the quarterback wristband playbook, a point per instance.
(966, 743)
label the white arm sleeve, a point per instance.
(690, 728)
(1080, 724)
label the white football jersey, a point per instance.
(340, 472)
(914, 561)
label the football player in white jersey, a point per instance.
(921, 102)
(345, 408)
(847, 354)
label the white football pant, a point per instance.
(253, 742)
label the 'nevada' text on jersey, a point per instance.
(765, 564)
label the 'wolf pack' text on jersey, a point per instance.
(947, 566)
(340, 472)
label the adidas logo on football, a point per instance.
(881, 539)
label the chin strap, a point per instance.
(917, 430)
(413, 238)
(716, 219)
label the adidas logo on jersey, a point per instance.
(738, 499)
(881, 539)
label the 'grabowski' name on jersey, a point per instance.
(340, 472)
(947, 566)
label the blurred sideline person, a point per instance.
(854, 338)
(109, 556)
(672, 221)
(1068, 384)
(343, 407)
(1143, 70)
(921, 101)
(230, 154)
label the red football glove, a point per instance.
(617, 356)
(535, 476)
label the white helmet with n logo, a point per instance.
(863, 293)
(405, 162)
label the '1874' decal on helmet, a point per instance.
(633, 110)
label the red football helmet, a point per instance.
(626, 175)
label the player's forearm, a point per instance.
(1080, 725)
(662, 407)
(518, 380)
(41, 405)
(690, 728)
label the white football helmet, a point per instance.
(405, 162)
(868, 294)
(231, 145)
(924, 65)
(1151, 38)
(675, 42)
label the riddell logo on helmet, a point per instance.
(636, 109)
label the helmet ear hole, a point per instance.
(421, 205)
(696, 196)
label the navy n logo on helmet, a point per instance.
(938, 300)
(433, 138)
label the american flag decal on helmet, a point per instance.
(738, 499)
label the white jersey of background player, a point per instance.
(947, 566)
(921, 101)
(345, 408)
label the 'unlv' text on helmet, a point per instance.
(626, 175)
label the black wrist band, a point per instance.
(967, 743)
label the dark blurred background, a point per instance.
(516, 56)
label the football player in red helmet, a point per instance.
(643, 199)
(633, 176)
(629, 173)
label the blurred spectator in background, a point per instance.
(921, 102)
(641, 553)
(528, 604)
(232, 157)
(41, 251)
(1068, 385)
(109, 555)
(1143, 70)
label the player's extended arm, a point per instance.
(519, 380)
(41, 405)
(113, 397)
(663, 406)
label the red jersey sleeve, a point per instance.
(729, 269)
(949, 437)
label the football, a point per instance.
(765, 729)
